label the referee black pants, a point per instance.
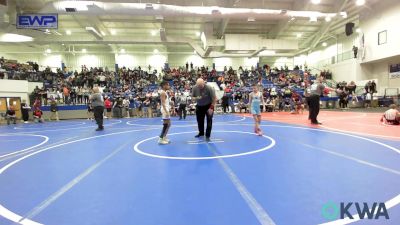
(313, 108)
(201, 113)
(98, 115)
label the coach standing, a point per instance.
(205, 96)
(98, 107)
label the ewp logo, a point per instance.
(332, 211)
(37, 21)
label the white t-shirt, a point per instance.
(126, 103)
(391, 114)
(167, 103)
(368, 96)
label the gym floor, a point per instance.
(64, 172)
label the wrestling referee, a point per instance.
(205, 96)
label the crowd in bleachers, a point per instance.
(283, 89)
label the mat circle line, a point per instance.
(136, 147)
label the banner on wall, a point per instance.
(394, 71)
(37, 21)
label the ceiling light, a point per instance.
(324, 44)
(316, 2)
(343, 14)
(267, 53)
(62, 44)
(251, 19)
(360, 2)
(328, 19)
(313, 19)
(122, 51)
(84, 50)
(48, 51)
(299, 35)
(149, 6)
(94, 32)
(113, 32)
(75, 5)
(194, 52)
(358, 30)
(155, 51)
(153, 32)
(68, 32)
(198, 34)
(8, 37)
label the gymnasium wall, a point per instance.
(384, 17)
(74, 62)
(143, 60)
(14, 88)
(322, 57)
(278, 62)
(380, 70)
(352, 70)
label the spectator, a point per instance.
(53, 110)
(351, 88)
(66, 95)
(242, 106)
(355, 50)
(126, 104)
(118, 105)
(373, 88)
(146, 107)
(108, 106)
(89, 111)
(297, 103)
(25, 111)
(10, 115)
(225, 102)
(343, 98)
(368, 98)
(37, 115)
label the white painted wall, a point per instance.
(14, 88)
(278, 62)
(32, 86)
(245, 62)
(74, 62)
(385, 16)
(345, 71)
(380, 71)
(322, 56)
(23, 58)
(53, 61)
(90, 60)
(352, 70)
(180, 60)
(131, 61)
